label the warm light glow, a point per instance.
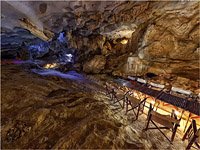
(135, 94)
(176, 112)
(125, 41)
(47, 66)
(153, 102)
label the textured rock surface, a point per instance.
(164, 35)
(168, 41)
(96, 65)
(50, 113)
(61, 114)
(39, 112)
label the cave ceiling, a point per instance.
(113, 19)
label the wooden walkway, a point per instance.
(191, 106)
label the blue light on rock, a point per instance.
(54, 52)
(65, 58)
(69, 75)
(69, 57)
(61, 37)
(38, 50)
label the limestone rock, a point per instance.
(96, 65)
(61, 114)
(164, 35)
(23, 53)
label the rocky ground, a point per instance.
(51, 112)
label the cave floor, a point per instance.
(51, 112)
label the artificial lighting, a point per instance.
(61, 37)
(125, 41)
(176, 112)
(47, 66)
(135, 95)
(152, 102)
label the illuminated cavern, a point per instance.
(100, 74)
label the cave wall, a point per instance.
(163, 37)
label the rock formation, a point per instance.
(62, 114)
(96, 65)
(163, 35)
(154, 39)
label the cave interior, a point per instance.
(57, 58)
